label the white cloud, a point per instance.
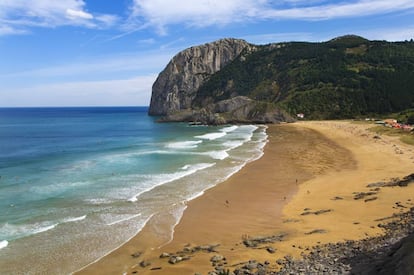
(161, 13)
(122, 92)
(19, 16)
(74, 14)
(329, 11)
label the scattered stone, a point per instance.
(316, 231)
(271, 250)
(217, 258)
(394, 182)
(362, 195)
(323, 211)
(256, 241)
(386, 254)
(316, 212)
(156, 268)
(165, 255)
(337, 198)
(136, 254)
(370, 199)
(175, 259)
(207, 248)
(290, 220)
(144, 264)
(376, 184)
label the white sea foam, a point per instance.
(74, 219)
(157, 180)
(13, 231)
(220, 155)
(44, 229)
(212, 136)
(233, 144)
(185, 167)
(178, 214)
(142, 225)
(193, 197)
(126, 218)
(4, 244)
(229, 129)
(98, 201)
(184, 144)
(58, 187)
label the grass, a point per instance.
(405, 137)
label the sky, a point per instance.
(109, 52)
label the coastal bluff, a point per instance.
(233, 81)
(176, 88)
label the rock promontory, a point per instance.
(177, 85)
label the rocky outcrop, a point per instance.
(238, 109)
(177, 85)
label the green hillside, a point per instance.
(345, 77)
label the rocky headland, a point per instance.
(233, 81)
(176, 88)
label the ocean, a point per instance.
(76, 183)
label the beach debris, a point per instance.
(256, 241)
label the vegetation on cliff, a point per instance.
(345, 77)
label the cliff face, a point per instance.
(177, 85)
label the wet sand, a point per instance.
(307, 167)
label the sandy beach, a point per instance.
(309, 188)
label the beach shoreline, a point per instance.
(283, 194)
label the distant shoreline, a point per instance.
(301, 191)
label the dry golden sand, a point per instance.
(305, 166)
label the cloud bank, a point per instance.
(159, 14)
(18, 16)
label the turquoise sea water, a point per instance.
(75, 183)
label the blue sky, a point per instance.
(109, 52)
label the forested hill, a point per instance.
(342, 78)
(230, 80)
